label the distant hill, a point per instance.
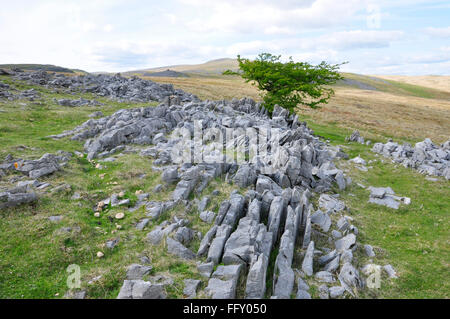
(35, 67)
(419, 86)
(166, 73)
(213, 67)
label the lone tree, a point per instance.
(291, 83)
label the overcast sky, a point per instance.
(376, 37)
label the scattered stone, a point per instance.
(330, 204)
(345, 243)
(369, 251)
(322, 220)
(426, 157)
(207, 216)
(141, 225)
(136, 271)
(139, 289)
(358, 160)
(190, 288)
(176, 248)
(110, 244)
(307, 265)
(349, 278)
(390, 271)
(75, 294)
(206, 269)
(355, 137)
(324, 292)
(385, 196)
(55, 219)
(76, 196)
(336, 291)
(158, 188)
(203, 204)
(224, 281)
(119, 215)
(324, 276)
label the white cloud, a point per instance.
(438, 32)
(269, 16)
(118, 35)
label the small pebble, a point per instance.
(120, 215)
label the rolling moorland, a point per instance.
(35, 253)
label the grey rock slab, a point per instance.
(110, 244)
(349, 278)
(275, 216)
(324, 292)
(369, 251)
(136, 271)
(221, 289)
(301, 284)
(336, 291)
(324, 276)
(142, 223)
(387, 201)
(55, 219)
(207, 216)
(346, 256)
(139, 289)
(302, 294)
(325, 259)
(330, 204)
(203, 204)
(206, 241)
(307, 264)
(345, 243)
(342, 224)
(336, 234)
(190, 288)
(333, 265)
(184, 235)
(390, 271)
(176, 248)
(205, 269)
(322, 220)
(255, 287)
(217, 244)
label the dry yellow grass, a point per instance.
(212, 88)
(431, 81)
(375, 113)
(386, 114)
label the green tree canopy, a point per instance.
(291, 83)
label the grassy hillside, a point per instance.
(213, 67)
(437, 82)
(35, 67)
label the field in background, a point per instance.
(388, 109)
(438, 82)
